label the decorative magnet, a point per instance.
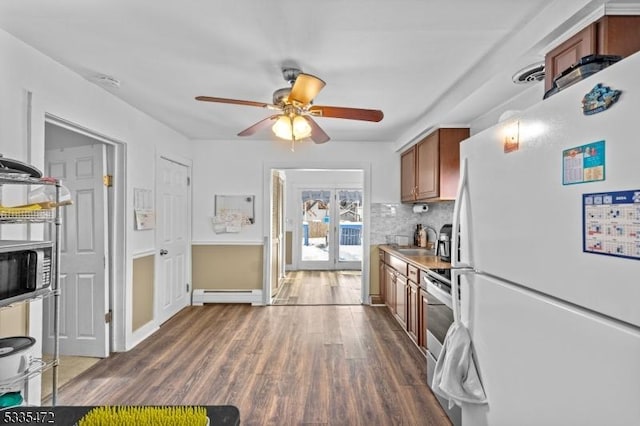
(599, 98)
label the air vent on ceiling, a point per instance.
(529, 74)
(107, 81)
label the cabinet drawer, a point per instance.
(397, 264)
(413, 273)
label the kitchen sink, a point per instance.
(416, 251)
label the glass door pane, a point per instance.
(316, 220)
(350, 230)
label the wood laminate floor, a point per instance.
(320, 288)
(280, 365)
(68, 368)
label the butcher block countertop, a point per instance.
(420, 261)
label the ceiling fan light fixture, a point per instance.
(301, 127)
(282, 127)
(296, 110)
(288, 128)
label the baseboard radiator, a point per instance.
(201, 297)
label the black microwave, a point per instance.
(25, 268)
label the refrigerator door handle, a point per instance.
(455, 291)
(455, 232)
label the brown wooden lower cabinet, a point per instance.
(382, 277)
(401, 299)
(404, 297)
(412, 310)
(422, 320)
(390, 288)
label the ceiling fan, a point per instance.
(295, 109)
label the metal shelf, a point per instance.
(12, 178)
(36, 367)
(53, 218)
(26, 297)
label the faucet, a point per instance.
(435, 233)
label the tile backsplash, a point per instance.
(399, 219)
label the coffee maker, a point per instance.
(443, 248)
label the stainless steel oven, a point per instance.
(437, 284)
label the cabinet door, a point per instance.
(568, 53)
(401, 300)
(619, 35)
(449, 142)
(422, 323)
(408, 175)
(390, 290)
(412, 310)
(428, 167)
(382, 278)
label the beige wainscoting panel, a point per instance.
(288, 253)
(14, 320)
(143, 276)
(227, 267)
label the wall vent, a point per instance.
(106, 81)
(529, 74)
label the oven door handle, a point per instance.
(439, 294)
(436, 276)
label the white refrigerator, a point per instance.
(550, 237)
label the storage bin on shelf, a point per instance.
(26, 213)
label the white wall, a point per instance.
(62, 93)
(237, 167)
(520, 102)
(58, 91)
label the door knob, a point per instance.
(163, 252)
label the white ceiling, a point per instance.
(424, 63)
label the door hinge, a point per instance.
(187, 287)
(107, 180)
(108, 317)
(188, 181)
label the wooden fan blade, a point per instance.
(305, 88)
(232, 101)
(347, 113)
(258, 126)
(317, 134)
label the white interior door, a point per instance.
(172, 238)
(84, 252)
(277, 237)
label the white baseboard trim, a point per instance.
(201, 297)
(141, 334)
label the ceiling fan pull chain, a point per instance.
(293, 135)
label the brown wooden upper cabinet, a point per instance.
(430, 169)
(610, 35)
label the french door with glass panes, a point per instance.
(330, 229)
